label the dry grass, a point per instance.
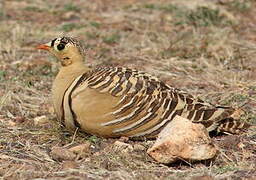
(207, 48)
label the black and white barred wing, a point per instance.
(146, 104)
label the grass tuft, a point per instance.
(95, 24)
(67, 27)
(71, 7)
(111, 39)
(240, 6)
(204, 16)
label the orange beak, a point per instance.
(43, 47)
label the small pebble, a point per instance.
(41, 120)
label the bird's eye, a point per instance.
(60, 47)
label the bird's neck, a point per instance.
(67, 75)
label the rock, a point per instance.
(69, 16)
(81, 149)
(204, 177)
(122, 147)
(124, 139)
(241, 145)
(182, 139)
(69, 165)
(138, 147)
(41, 120)
(19, 119)
(60, 154)
(12, 124)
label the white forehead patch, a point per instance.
(57, 42)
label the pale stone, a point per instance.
(81, 149)
(60, 154)
(69, 165)
(138, 147)
(11, 123)
(123, 147)
(41, 120)
(182, 139)
(204, 177)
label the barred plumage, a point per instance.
(118, 101)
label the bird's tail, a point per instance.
(232, 124)
(227, 122)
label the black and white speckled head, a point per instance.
(61, 43)
(68, 50)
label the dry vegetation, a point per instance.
(207, 48)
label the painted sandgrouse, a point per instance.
(118, 101)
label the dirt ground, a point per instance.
(205, 47)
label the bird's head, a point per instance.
(68, 50)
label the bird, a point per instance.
(114, 101)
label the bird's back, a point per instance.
(115, 101)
